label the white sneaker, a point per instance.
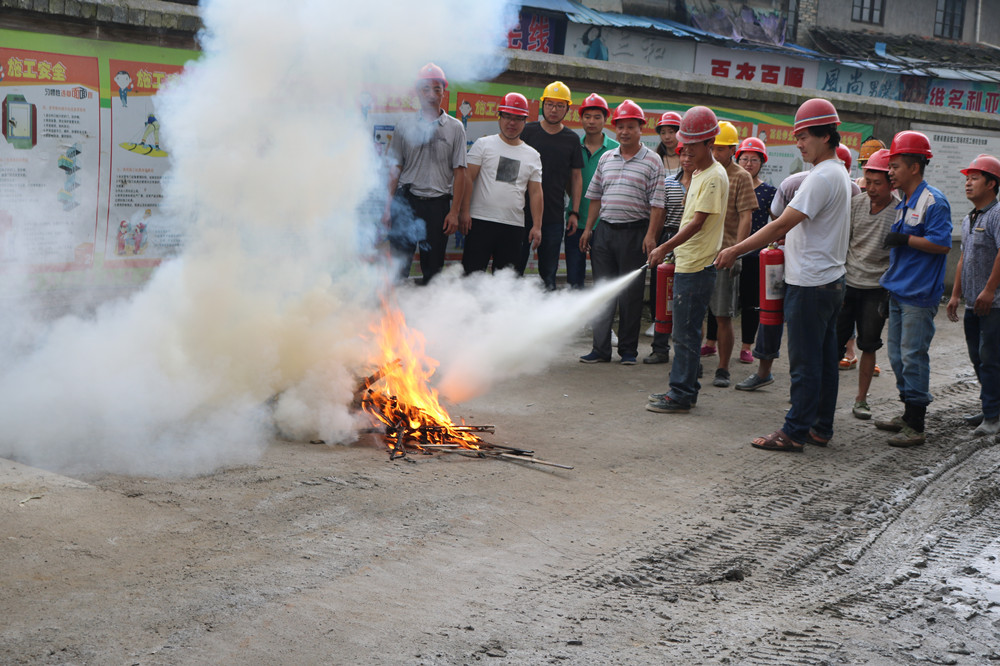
(987, 427)
(614, 339)
(650, 331)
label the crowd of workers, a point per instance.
(856, 254)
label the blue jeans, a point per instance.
(576, 261)
(811, 318)
(911, 330)
(982, 336)
(692, 292)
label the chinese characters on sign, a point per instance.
(966, 95)
(755, 66)
(532, 33)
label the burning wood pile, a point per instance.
(406, 411)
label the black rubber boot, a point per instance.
(912, 433)
(918, 414)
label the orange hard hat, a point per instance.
(869, 148)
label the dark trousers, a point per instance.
(615, 251)
(811, 316)
(491, 240)
(862, 312)
(982, 337)
(749, 298)
(692, 292)
(576, 261)
(548, 252)
(661, 341)
(419, 223)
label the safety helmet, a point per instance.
(628, 110)
(515, 104)
(728, 134)
(844, 155)
(432, 71)
(909, 142)
(559, 91)
(878, 161)
(815, 112)
(669, 118)
(869, 147)
(595, 101)
(680, 145)
(698, 124)
(752, 144)
(986, 164)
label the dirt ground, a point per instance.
(672, 541)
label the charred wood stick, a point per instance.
(510, 456)
(509, 449)
(366, 382)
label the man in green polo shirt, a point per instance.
(593, 114)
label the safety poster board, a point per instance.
(79, 165)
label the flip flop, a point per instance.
(777, 441)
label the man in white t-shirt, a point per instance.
(501, 168)
(816, 226)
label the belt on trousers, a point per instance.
(638, 224)
(420, 198)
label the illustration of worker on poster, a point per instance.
(137, 234)
(49, 160)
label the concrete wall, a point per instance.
(149, 22)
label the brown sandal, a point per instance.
(777, 441)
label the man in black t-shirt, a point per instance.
(562, 165)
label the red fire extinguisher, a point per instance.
(665, 297)
(772, 285)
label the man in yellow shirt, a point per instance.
(694, 246)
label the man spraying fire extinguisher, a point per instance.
(816, 227)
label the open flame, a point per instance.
(399, 397)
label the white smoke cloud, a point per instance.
(258, 327)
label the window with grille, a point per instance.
(868, 11)
(949, 18)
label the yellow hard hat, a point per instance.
(557, 90)
(728, 135)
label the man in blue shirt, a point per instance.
(919, 239)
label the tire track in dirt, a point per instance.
(788, 546)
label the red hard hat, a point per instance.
(986, 164)
(595, 101)
(628, 110)
(698, 124)
(844, 155)
(669, 118)
(814, 112)
(752, 144)
(909, 142)
(515, 104)
(879, 161)
(432, 71)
